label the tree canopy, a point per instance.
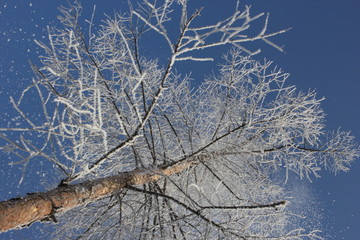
(147, 155)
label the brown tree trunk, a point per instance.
(21, 212)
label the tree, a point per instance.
(141, 154)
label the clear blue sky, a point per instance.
(322, 53)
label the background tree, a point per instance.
(188, 163)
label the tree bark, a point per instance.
(22, 212)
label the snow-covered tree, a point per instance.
(141, 154)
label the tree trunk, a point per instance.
(21, 212)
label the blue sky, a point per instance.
(322, 53)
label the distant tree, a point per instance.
(142, 155)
